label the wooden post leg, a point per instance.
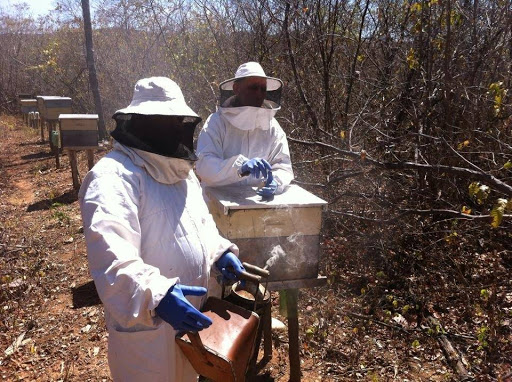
(57, 157)
(55, 147)
(90, 158)
(49, 124)
(288, 301)
(74, 168)
(42, 130)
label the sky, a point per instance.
(37, 7)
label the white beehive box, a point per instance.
(283, 233)
(28, 105)
(50, 107)
(78, 131)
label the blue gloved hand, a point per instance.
(257, 167)
(230, 266)
(177, 311)
(270, 187)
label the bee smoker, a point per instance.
(251, 294)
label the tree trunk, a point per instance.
(93, 79)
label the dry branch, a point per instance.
(452, 356)
(406, 212)
(462, 172)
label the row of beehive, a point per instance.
(76, 131)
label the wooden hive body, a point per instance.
(50, 107)
(28, 105)
(283, 232)
(79, 131)
(23, 96)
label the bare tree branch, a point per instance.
(459, 171)
(407, 212)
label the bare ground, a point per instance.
(52, 326)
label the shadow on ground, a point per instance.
(85, 295)
(38, 143)
(68, 197)
(39, 155)
(265, 377)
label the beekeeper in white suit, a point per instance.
(151, 242)
(242, 143)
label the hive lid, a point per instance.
(78, 116)
(245, 197)
(51, 98)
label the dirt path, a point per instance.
(49, 310)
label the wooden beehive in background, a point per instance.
(283, 233)
(28, 105)
(50, 107)
(79, 131)
(23, 96)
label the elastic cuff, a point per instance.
(238, 163)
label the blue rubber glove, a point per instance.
(230, 266)
(177, 311)
(270, 187)
(257, 167)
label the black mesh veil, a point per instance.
(180, 144)
(274, 90)
(274, 96)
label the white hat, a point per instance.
(252, 69)
(158, 96)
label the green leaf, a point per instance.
(411, 59)
(479, 191)
(473, 189)
(461, 145)
(416, 7)
(496, 86)
(507, 165)
(497, 212)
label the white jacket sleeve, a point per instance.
(280, 160)
(211, 167)
(129, 288)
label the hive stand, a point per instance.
(28, 105)
(22, 97)
(283, 234)
(50, 107)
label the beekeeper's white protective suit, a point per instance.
(235, 134)
(147, 228)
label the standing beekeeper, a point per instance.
(242, 143)
(150, 240)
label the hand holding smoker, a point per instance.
(224, 350)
